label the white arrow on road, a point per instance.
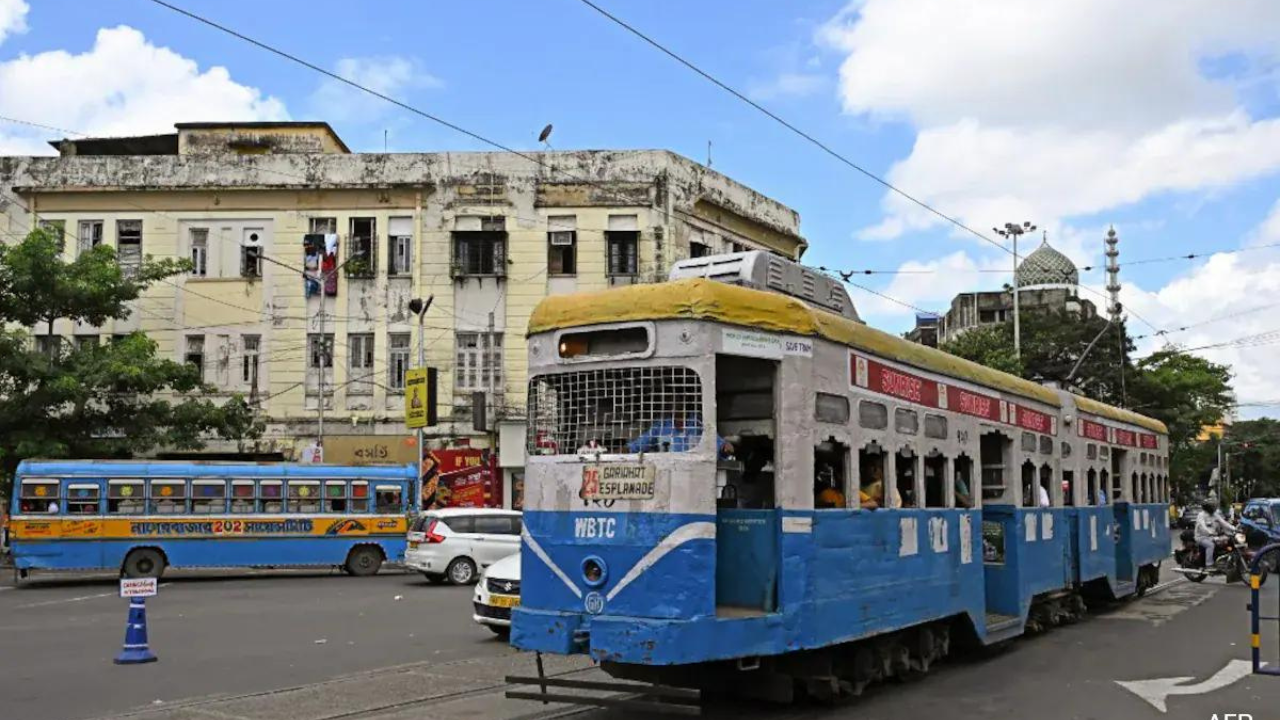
(1158, 690)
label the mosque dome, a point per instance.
(1046, 266)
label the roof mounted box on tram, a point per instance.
(764, 271)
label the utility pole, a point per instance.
(419, 307)
(1013, 231)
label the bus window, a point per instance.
(208, 497)
(168, 497)
(269, 496)
(304, 496)
(83, 499)
(1068, 488)
(963, 482)
(241, 496)
(124, 497)
(905, 469)
(389, 499)
(935, 474)
(359, 496)
(38, 497)
(335, 496)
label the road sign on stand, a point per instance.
(138, 587)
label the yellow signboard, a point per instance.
(415, 397)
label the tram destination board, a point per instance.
(617, 481)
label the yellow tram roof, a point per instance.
(700, 299)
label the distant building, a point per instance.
(1047, 280)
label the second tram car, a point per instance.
(732, 479)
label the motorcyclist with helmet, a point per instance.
(1210, 525)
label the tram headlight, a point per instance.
(594, 571)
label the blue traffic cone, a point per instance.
(135, 635)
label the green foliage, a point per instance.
(1254, 464)
(111, 400)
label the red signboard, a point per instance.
(1148, 441)
(878, 377)
(466, 478)
(1126, 437)
(1093, 430)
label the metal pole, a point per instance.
(1017, 325)
(422, 362)
(324, 357)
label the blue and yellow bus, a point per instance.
(144, 517)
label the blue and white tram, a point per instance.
(734, 480)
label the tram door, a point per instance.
(748, 522)
(1123, 514)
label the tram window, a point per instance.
(1091, 487)
(604, 343)
(39, 497)
(359, 496)
(388, 499)
(1135, 489)
(304, 496)
(124, 497)
(830, 460)
(1028, 484)
(1068, 488)
(335, 496)
(992, 457)
(1091, 452)
(208, 497)
(241, 496)
(83, 499)
(1044, 498)
(270, 498)
(745, 413)
(1104, 452)
(1066, 449)
(935, 474)
(935, 426)
(168, 497)
(831, 408)
(871, 475)
(1028, 442)
(905, 470)
(963, 482)
(906, 421)
(1046, 446)
(873, 415)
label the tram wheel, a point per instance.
(143, 563)
(363, 561)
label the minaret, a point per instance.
(1113, 275)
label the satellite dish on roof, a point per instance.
(546, 133)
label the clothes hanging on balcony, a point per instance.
(313, 245)
(329, 264)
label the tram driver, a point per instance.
(678, 432)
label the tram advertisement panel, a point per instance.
(880, 378)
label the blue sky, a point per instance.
(1071, 113)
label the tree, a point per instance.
(1254, 465)
(94, 401)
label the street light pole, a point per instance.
(1013, 231)
(419, 307)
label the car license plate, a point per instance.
(503, 601)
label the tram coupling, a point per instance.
(644, 697)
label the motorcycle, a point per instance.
(1231, 559)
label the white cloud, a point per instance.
(123, 85)
(1269, 231)
(390, 75)
(13, 18)
(787, 85)
(1058, 107)
(929, 285)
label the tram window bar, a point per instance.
(242, 497)
(616, 410)
(168, 497)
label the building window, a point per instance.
(697, 249)
(86, 342)
(199, 251)
(562, 245)
(194, 354)
(361, 375)
(90, 235)
(48, 345)
(251, 255)
(58, 229)
(397, 360)
(362, 250)
(622, 240)
(400, 246)
(250, 359)
(319, 350)
(129, 246)
(480, 246)
(323, 225)
(479, 361)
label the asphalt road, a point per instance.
(288, 646)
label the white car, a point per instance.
(497, 593)
(455, 544)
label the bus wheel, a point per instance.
(363, 561)
(143, 563)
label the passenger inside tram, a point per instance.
(829, 477)
(871, 471)
(964, 496)
(905, 462)
(935, 468)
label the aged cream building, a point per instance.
(487, 235)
